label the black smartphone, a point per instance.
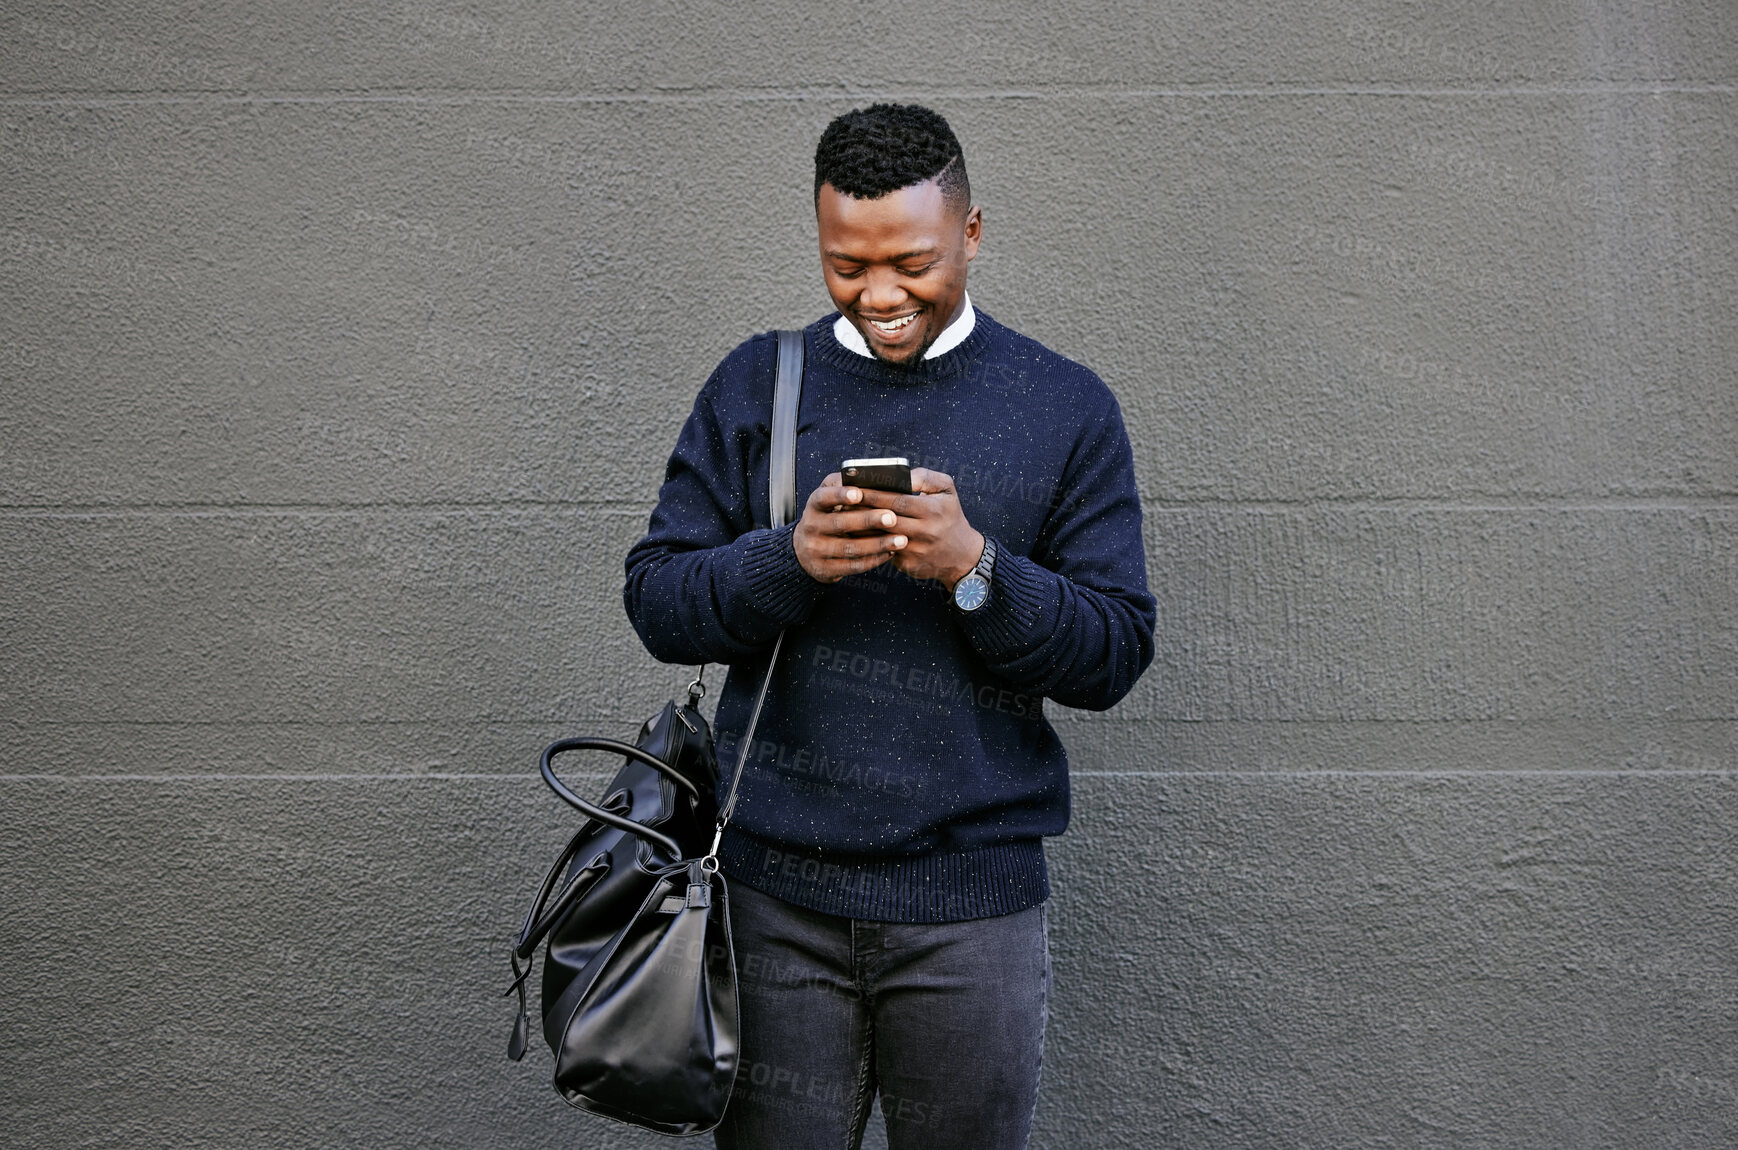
(890, 474)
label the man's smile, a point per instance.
(891, 328)
(893, 324)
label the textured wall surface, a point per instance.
(342, 347)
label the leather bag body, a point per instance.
(648, 1033)
(639, 978)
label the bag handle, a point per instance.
(600, 814)
(539, 919)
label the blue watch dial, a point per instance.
(969, 593)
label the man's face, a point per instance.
(896, 266)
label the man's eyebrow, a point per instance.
(920, 253)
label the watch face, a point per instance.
(969, 593)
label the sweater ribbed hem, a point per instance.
(775, 582)
(943, 886)
(1013, 622)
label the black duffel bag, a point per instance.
(639, 980)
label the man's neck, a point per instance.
(951, 336)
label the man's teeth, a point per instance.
(893, 324)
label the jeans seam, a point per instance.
(1045, 977)
(861, 1110)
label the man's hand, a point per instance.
(938, 543)
(840, 535)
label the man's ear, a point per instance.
(974, 230)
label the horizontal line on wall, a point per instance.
(1062, 715)
(290, 777)
(219, 510)
(699, 96)
(521, 778)
(1468, 723)
(329, 725)
(639, 508)
(1567, 503)
(1497, 772)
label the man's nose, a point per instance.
(884, 292)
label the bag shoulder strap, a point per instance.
(787, 395)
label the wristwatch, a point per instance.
(973, 591)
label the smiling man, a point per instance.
(886, 855)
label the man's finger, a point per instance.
(856, 547)
(846, 524)
(917, 506)
(829, 496)
(930, 482)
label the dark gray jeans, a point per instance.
(945, 1021)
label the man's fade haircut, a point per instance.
(885, 147)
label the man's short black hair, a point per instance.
(882, 148)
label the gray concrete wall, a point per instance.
(338, 373)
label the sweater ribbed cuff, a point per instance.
(1021, 612)
(773, 580)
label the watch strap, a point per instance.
(987, 561)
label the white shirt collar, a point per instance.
(951, 336)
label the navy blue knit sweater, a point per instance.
(903, 769)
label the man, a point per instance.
(886, 860)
